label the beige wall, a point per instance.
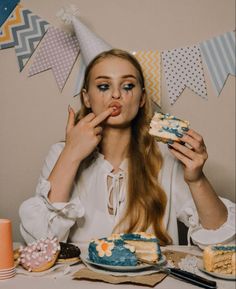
(33, 112)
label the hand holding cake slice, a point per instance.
(166, 127)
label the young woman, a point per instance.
(111, 175)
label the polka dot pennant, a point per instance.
(58, 51)
(183, 68)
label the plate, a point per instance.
(139, 267)
(214, 274)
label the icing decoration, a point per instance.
(58, 52)
(219, 55)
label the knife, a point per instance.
(183, 275)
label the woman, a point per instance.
(111, 175)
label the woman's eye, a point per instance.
(128, 86)
(103, 87)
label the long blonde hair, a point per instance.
(146, 200)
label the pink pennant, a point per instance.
(183, 67)
(58, 52)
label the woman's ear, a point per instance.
(86, 98)
(143, 98)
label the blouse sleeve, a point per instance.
(39, 217)
(187, 213)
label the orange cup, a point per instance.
(6, 245)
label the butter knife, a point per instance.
(183, 275)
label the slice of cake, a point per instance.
(125, 249)
(167, 127)
(220, 259)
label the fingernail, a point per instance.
(178, 134)
(170, 141)
(185, 128)
(69, 108)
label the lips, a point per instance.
(116, 108)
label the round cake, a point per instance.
(125, 249)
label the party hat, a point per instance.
(90, 44)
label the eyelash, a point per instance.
(105, 87)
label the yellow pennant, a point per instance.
(151, 65)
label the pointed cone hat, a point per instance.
(90, 44)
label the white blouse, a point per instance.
(87, 215)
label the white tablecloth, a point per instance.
(60, 281)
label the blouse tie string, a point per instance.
(117, 192)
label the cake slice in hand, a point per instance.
(166, 127)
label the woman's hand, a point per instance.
(192, 153)
(82, 138)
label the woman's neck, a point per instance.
(115, 145)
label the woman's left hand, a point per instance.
(192, 153)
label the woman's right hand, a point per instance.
(83, 137)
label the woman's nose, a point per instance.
(116, 94)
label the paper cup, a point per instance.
(6, 245)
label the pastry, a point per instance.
(40, 255)
(220, 259)
(125, 249)
(166, 127)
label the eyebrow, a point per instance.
(123, 76)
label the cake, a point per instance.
(125, 249)
(167, 127)
(220, 259)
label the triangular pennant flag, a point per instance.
(6, 8)
(23, 30)
(219, 55)
(58, 51)
(183, 67)
(151, 63)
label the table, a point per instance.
(62, 282)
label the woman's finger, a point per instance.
(71, 119)
(98, 130)
(195, 141)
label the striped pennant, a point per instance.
(58, 52)
(219, 55)
(23, 30)
(183, 68)
(6, 8)
(151, 63)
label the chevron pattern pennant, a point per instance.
(23, 30)
(151, 64)
(183, 67)
(58, 52)
(219, 55)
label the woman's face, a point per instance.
(114, 83)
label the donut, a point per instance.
(40, 255)
(68, 253)
(166, 127)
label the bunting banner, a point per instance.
(183, 68)
(151, 65)
(22, 30)
(219, 56)
(58, 51)
(6, 7)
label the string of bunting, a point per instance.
(183, 67)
